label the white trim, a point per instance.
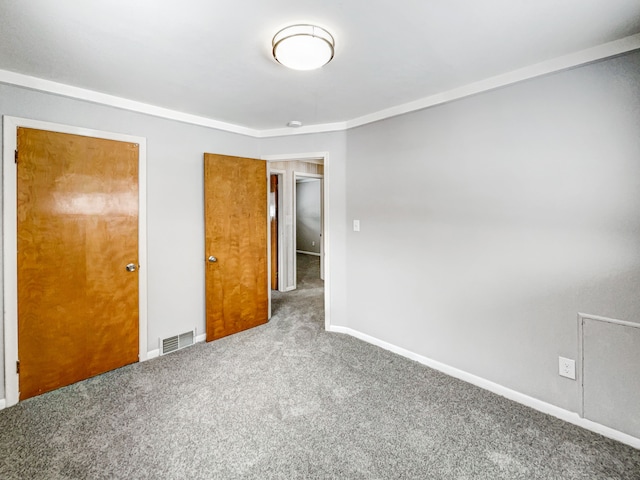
(543, 68)
(3, 404)
(10, 267)
(597, 318)
(153, 354)
(9, 224)
(580, 367)
(268, 234)
(70, 91)
(308, 253)
(324, 156)
(544, 407)
(565, 62)
(143, 277)
(322, 223)
(289, 132)
(311, 157)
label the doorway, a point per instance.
(308, 219)
(288, 172)
(286, 167)
(89, 202)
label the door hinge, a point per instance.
(18, 367)
(16, 156)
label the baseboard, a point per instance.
(156, 353)
(308, 253)
(3, 404)
(544, 407)
(153, 354)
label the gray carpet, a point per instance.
(288, 400)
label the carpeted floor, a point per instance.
(288, 400)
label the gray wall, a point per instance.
(308, 221)
(487, 223)
(175, 197)
(495, 219)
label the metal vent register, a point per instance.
(177, 342)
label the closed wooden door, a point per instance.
(77, 230)
(235, 196)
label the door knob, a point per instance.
(131, 267)
(212, 259)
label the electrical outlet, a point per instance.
(356, 225)
(567, 368)
(313, 244)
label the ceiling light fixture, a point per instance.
(303, 47)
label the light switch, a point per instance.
(356, 225)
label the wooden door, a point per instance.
(77, 230)
(235, 197)
(273, 222)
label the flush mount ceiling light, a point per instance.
(303, 47)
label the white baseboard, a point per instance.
(544, 407)
(3, 403)
(153, 354)
(156, 353)
(308, 253)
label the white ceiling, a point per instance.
(212, 58)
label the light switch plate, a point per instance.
(356, 225)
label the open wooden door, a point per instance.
(77, 259)
(236, 281)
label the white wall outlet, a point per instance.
(313, 244)
(356, 225)
(567, 368)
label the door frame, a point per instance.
(326, 243)
(9, 235)
(280, 209)
(316, 176)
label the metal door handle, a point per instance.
(131, 267)
(212, 259)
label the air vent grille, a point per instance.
(177, 342)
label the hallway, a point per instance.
(306, 303)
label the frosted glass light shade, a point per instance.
(303, 47)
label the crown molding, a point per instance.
(565, 62)
(304, 130)
(48, 86)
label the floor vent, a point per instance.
(177, 342)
